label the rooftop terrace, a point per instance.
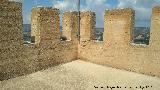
(80, 75)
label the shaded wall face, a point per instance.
(155, 28)
(11, 39)
(35, 32)
(87, 26)
(17, 59)
(10, 24)
(67, 26)
(70, 25)
(51, 51)
(118, 25)
(46, 25)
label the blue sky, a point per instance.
(142, 8)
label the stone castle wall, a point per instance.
(18, 59)
(87, 25)
(155, 23)
(70, 25)
(11, 39)
(45, 25)
(118, 26)
(117, 51)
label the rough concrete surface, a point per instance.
(80, 75)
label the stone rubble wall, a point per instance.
(46, 23)
(50, 49)
(70, 25)
(118, 26)
(155, 27)
(11, 39)
(117, 51)
(87, 25)
(18, 59)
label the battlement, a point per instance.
(118, 26)
(45, 24)
(70, 25)
(47, 50)
(10, 24)
(155, 23)
(156, 10)
(125, 11)
(87, 25)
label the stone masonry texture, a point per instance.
(118, 26)
(45, 24)
(87, 25)
(18, 59)
(117, 51)
(48, 50)
(70, 25)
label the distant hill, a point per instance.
(141, 34)
(27, 28)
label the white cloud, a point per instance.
(98, 6)
(17, 0)
(142, 7)
(65, 5)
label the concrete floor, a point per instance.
(80, 75)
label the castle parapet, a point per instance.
(118, 26)
(45, 22)
(10, 24)
(155, 28)
(70, 25)
(87, 25)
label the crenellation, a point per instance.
(47, 50)
(46, 24)
(118, 26)
(155, 30)
(11, 26)
(70, 25)
(87, 25)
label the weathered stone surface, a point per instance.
(70, 25)
(118, 26)
(45, 24)
(87, 25)
(17, 59)
(115, 50)
(48, 50)
(155, 30)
